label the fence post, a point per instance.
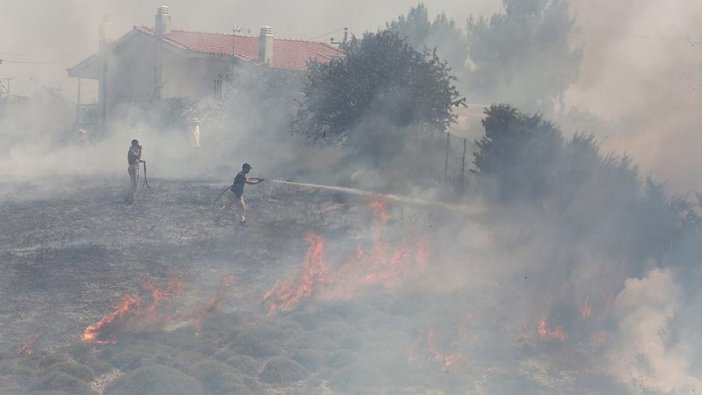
(463, 165)
(448, 146)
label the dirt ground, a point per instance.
(71, 247)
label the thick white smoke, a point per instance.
(645, 354)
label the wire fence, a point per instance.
(446, 158)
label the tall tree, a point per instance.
(442, 34)
(517, 151)
(523, 55)
(381, 78)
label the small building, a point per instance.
(149, 64)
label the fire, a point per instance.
(95, 333)
(585, 309)
(132, 314)
(446, 359)
(204, 311)
(26, 348)
(289, 292)
(384, 264)
(555, 334)
(381, 216)
(453, 359)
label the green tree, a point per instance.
(523, 55)
(517, 151)
(381, 78)
(599, 197)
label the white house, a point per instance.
(154, 63)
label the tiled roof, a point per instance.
(287, 54)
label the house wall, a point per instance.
(131, 72)
(192, 76)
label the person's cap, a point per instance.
(246, 166)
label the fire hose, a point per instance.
(146, 181)
(215, 214)
(214, 202)
(386, 196)
(361, 192)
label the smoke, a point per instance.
(642, 72)
(40, 40)
(562, 296)
(644, 353)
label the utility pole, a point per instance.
(463, 165)
(105, 87)
(7, 85)
(343, 42)
(699, 70)
(448, 147)
(78, 105)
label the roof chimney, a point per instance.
(265, 45)
(162, 23)
(105, 32)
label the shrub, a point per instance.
(74, 369)
(244, 363)
(282, 371)
(155, 380)
(59, 381)
(218, 378)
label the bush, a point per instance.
(129, 359)
(59, 381)
(219, 378)
(255, 345)
(310, 359)
(282, 371)
(155, 380)
(340, 359)
(355, 378)
(244, 363)
(74, 369)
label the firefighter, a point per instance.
(235, 195)
(133, 160)
(195, 132)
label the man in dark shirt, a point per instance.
(133, 160)
(236, 195)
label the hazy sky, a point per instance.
(642, 61)
(41, 38)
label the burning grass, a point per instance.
(383, 264)
(348, 320)
(155, 380)
(356, 346)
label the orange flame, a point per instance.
(203, 312)
(585, 309)
(26, 348)
(289, 292)
(131, 314)
(446, 359)
(381, 216)
(555, 334)
(382, 264)
(95, 332)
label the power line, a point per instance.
(326, 34)
(33, 61)
(40, 55)
(688, 38)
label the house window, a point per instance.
(217, 89)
